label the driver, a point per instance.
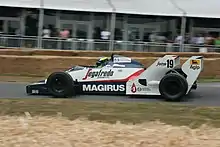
(102, 61)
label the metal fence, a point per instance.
(90, 44)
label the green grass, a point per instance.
(208, 80)
(126, 112)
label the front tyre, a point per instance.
(173, 87)
(60, 84)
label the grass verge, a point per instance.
(111, 112)
(208, 80)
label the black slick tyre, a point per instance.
(60, 85)
(173, 87)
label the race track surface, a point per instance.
(207, 94)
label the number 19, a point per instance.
(169, 63)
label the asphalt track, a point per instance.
(207, 94)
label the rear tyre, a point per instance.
(173, 87)
(60, 85)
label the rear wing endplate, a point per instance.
(192, 68)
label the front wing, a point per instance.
(39, 88)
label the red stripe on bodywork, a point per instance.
(134, 75)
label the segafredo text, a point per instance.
(98, 74)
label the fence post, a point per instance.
(112, 36)
(183, 31)
(40, 24)
(183, 24)
(113, 20)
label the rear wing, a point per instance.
(192, 68)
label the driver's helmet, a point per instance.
(102, 61)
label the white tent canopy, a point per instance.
(193, 8)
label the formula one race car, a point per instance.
(122, 75)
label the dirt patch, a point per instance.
(56, 132)
(44, 65)
(19, 79)
(33, 52)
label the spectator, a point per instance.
(152, 37)
(64, 34)
(187, 39)
(200, 40)
(169, 37)
(178, 39)
(217, 44)
(160, 38)
(55, 32)
(105, 35)
(46, 32)
(209, 39)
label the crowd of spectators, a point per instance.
(199, 40)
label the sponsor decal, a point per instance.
(98, 74)
(102, 87)
(118, 65)
(122, 60)
(34, 91)
(194, 64)
(169, 63)
(161, 63)
(135, 89)
(139, 89)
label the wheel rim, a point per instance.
(58, 85)
(172, 87)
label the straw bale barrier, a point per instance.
(43, 65)
(58, 131)
(43, 62)
(86, 53)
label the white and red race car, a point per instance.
(124, 76)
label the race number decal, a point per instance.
(170, 63)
